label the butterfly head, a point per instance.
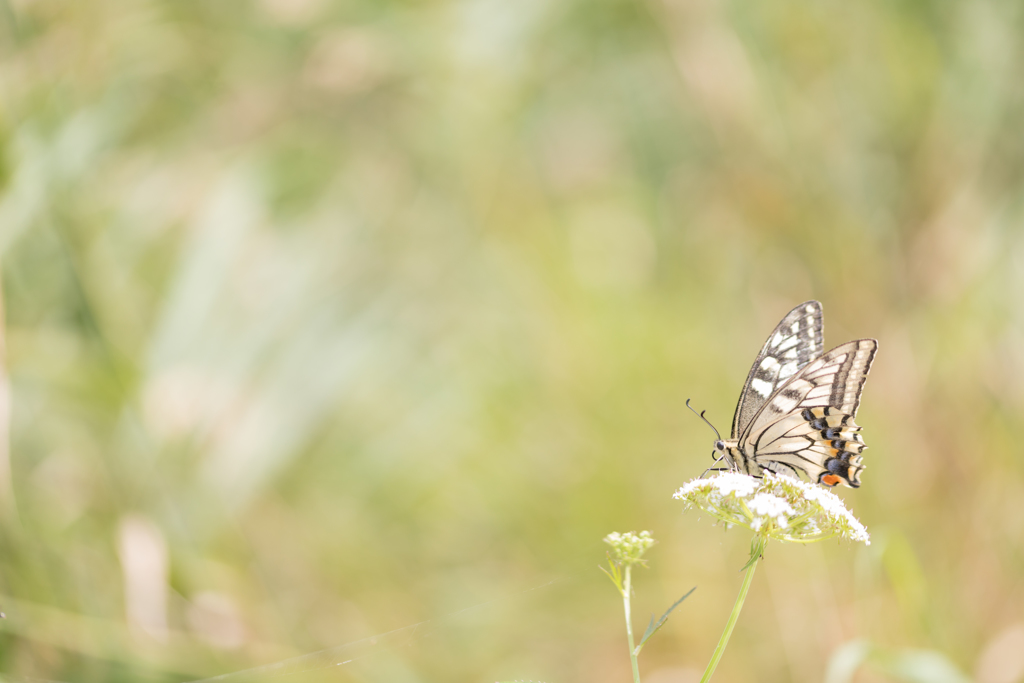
(719, 446)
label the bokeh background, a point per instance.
(344, 331)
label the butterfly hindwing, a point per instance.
(807, 424)
(795, 342)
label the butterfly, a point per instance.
(796, 410)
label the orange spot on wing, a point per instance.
(830, 480)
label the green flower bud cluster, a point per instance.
(628, 548)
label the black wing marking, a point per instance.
(794, 343)
(808, 424)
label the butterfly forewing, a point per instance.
(796, 341)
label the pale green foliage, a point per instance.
(654, 626)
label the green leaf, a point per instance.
(925, 666)
(653, 627)
(911, 666)
(845, 661)
(756, 551)
(615, 575)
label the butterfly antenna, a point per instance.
(701, 416)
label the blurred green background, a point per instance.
(327, 319)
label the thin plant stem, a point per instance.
(626, 590)
(727, 633)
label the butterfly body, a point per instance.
(796, 411)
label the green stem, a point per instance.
(812, 539)
(626, 590)
(727, 633)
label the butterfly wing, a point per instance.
(808, 425)
(795, 342)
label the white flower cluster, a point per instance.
(629, 547)
(774, 506)
(768, 505)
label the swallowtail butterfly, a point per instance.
(796, 410)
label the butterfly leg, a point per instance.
(716, 469)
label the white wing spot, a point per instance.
(777, 339)
(787, 370)
(769, 364)
(783, 404)
(795, 327)
(789, 343)
(761, 387)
